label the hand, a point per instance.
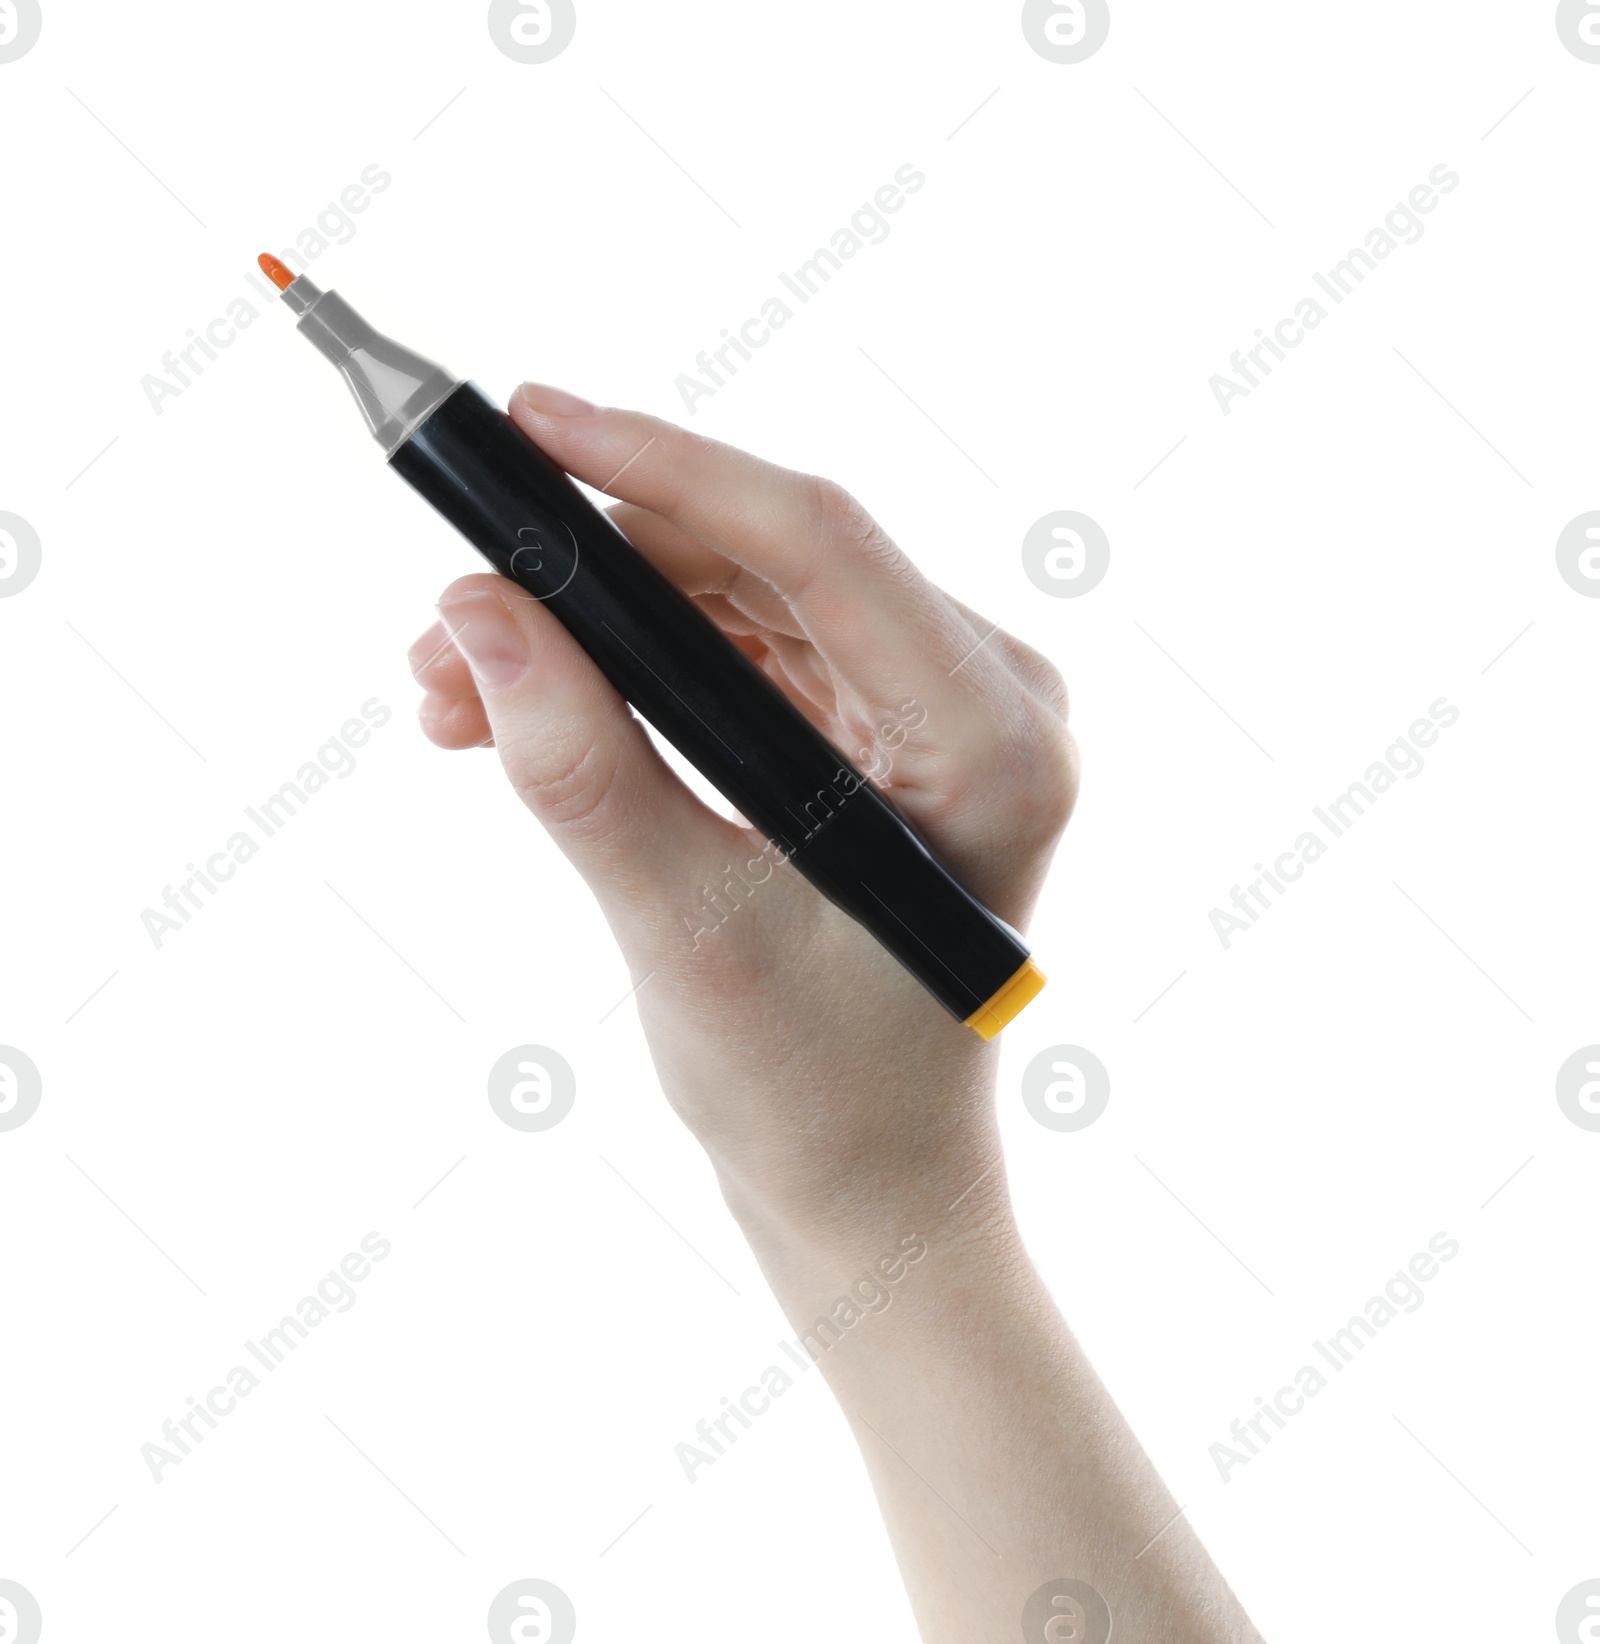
(843, 1110)
(823, 1080)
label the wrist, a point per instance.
(857, 1249)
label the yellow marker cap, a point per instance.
(988, 1019)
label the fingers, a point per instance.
(451, 714)
(985, 766)
(455, 724)
(439, 667)
(1035, 671)
(736, 505)
(703, 572)
(574, 753)
(857, 597)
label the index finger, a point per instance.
(854, 591)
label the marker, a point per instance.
(452, 444)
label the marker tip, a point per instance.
(275, 271)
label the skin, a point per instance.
(844, 1112)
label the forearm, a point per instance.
(998, 1459)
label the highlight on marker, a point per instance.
(275, 271)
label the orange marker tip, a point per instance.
(275, 271)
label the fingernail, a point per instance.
(428, 650)
(483, 630)
(553, 402)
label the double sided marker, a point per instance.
(449, 442)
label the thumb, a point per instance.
(576, 755)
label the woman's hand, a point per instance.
(831, 1091)
(848, 1117)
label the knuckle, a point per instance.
(1026, 786)
(1052, 689)
(830, 501)
(839, 518)
(1049, 790)
(570, 786)
(1040, 675)
(841, 523)
(1037, 674)
(946, 800)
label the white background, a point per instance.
(233, 577)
